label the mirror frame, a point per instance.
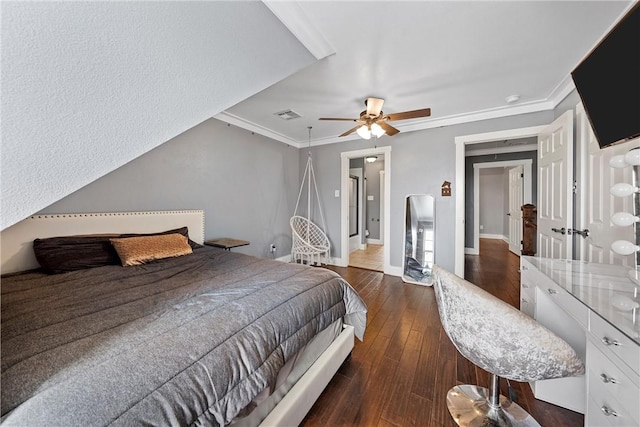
(405, 278)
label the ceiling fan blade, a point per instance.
(374, 106)
(338, 118)
(389, 130)
(425, 112)
(350, 131)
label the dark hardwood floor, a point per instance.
(400, 374)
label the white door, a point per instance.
(355, 208)
(516, 180)
(382, 218)
(595, 204)
(555, 188)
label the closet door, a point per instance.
(595, 204)
(516, 183)
(555, 195)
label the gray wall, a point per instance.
(420, 162)
(492, 201)
(568, 103)
(246, 184)
(469, 184)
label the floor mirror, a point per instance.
(419, 239)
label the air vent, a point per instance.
(288, 115)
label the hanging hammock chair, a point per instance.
(310, 244)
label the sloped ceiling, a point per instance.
(89, 86)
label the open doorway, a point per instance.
(485, 144)
(500, 188)
(366, 186)
(368, 248)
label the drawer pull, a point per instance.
(525, 286)
(607, 379)
(609, 341)
(552, 291)
(524, 301)
(609, 412)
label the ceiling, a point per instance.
(461, 59)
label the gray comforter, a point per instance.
(183, 341)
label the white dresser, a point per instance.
(588, 305)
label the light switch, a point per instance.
(337, 193)
(369, 197)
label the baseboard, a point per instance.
(394, 271)
(491, 236)
(471, 251)
(375, 241)
(286, 258)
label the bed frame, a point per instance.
(17, 255)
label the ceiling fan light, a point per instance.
(377, 130)
(364, 132)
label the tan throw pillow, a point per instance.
(142, 249)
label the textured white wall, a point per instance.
(89, 86)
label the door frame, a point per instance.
(461, 142)
(527, 165)
(343, 261)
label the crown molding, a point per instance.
(293, 17)
(561, 91)
(493, 113)
(261, 130)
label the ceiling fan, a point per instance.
(373, 121)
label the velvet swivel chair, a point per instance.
(498, 338)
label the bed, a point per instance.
(211, 337)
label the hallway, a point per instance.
(371, 258)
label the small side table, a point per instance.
(226, 243)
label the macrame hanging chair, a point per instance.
(310, 244)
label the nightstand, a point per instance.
(226, 243)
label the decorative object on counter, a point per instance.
(626, 219)
(498, 338)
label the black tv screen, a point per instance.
(608, 82)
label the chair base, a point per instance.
(469, 406)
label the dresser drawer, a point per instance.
(528, 306)
(613, 411)
(527, 298)
(607, 380)
(594, 417)
(614, 343)
(567, 302)
(531, 278)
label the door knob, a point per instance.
(584, 233)
(559, 230)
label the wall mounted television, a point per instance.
(608, 82)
